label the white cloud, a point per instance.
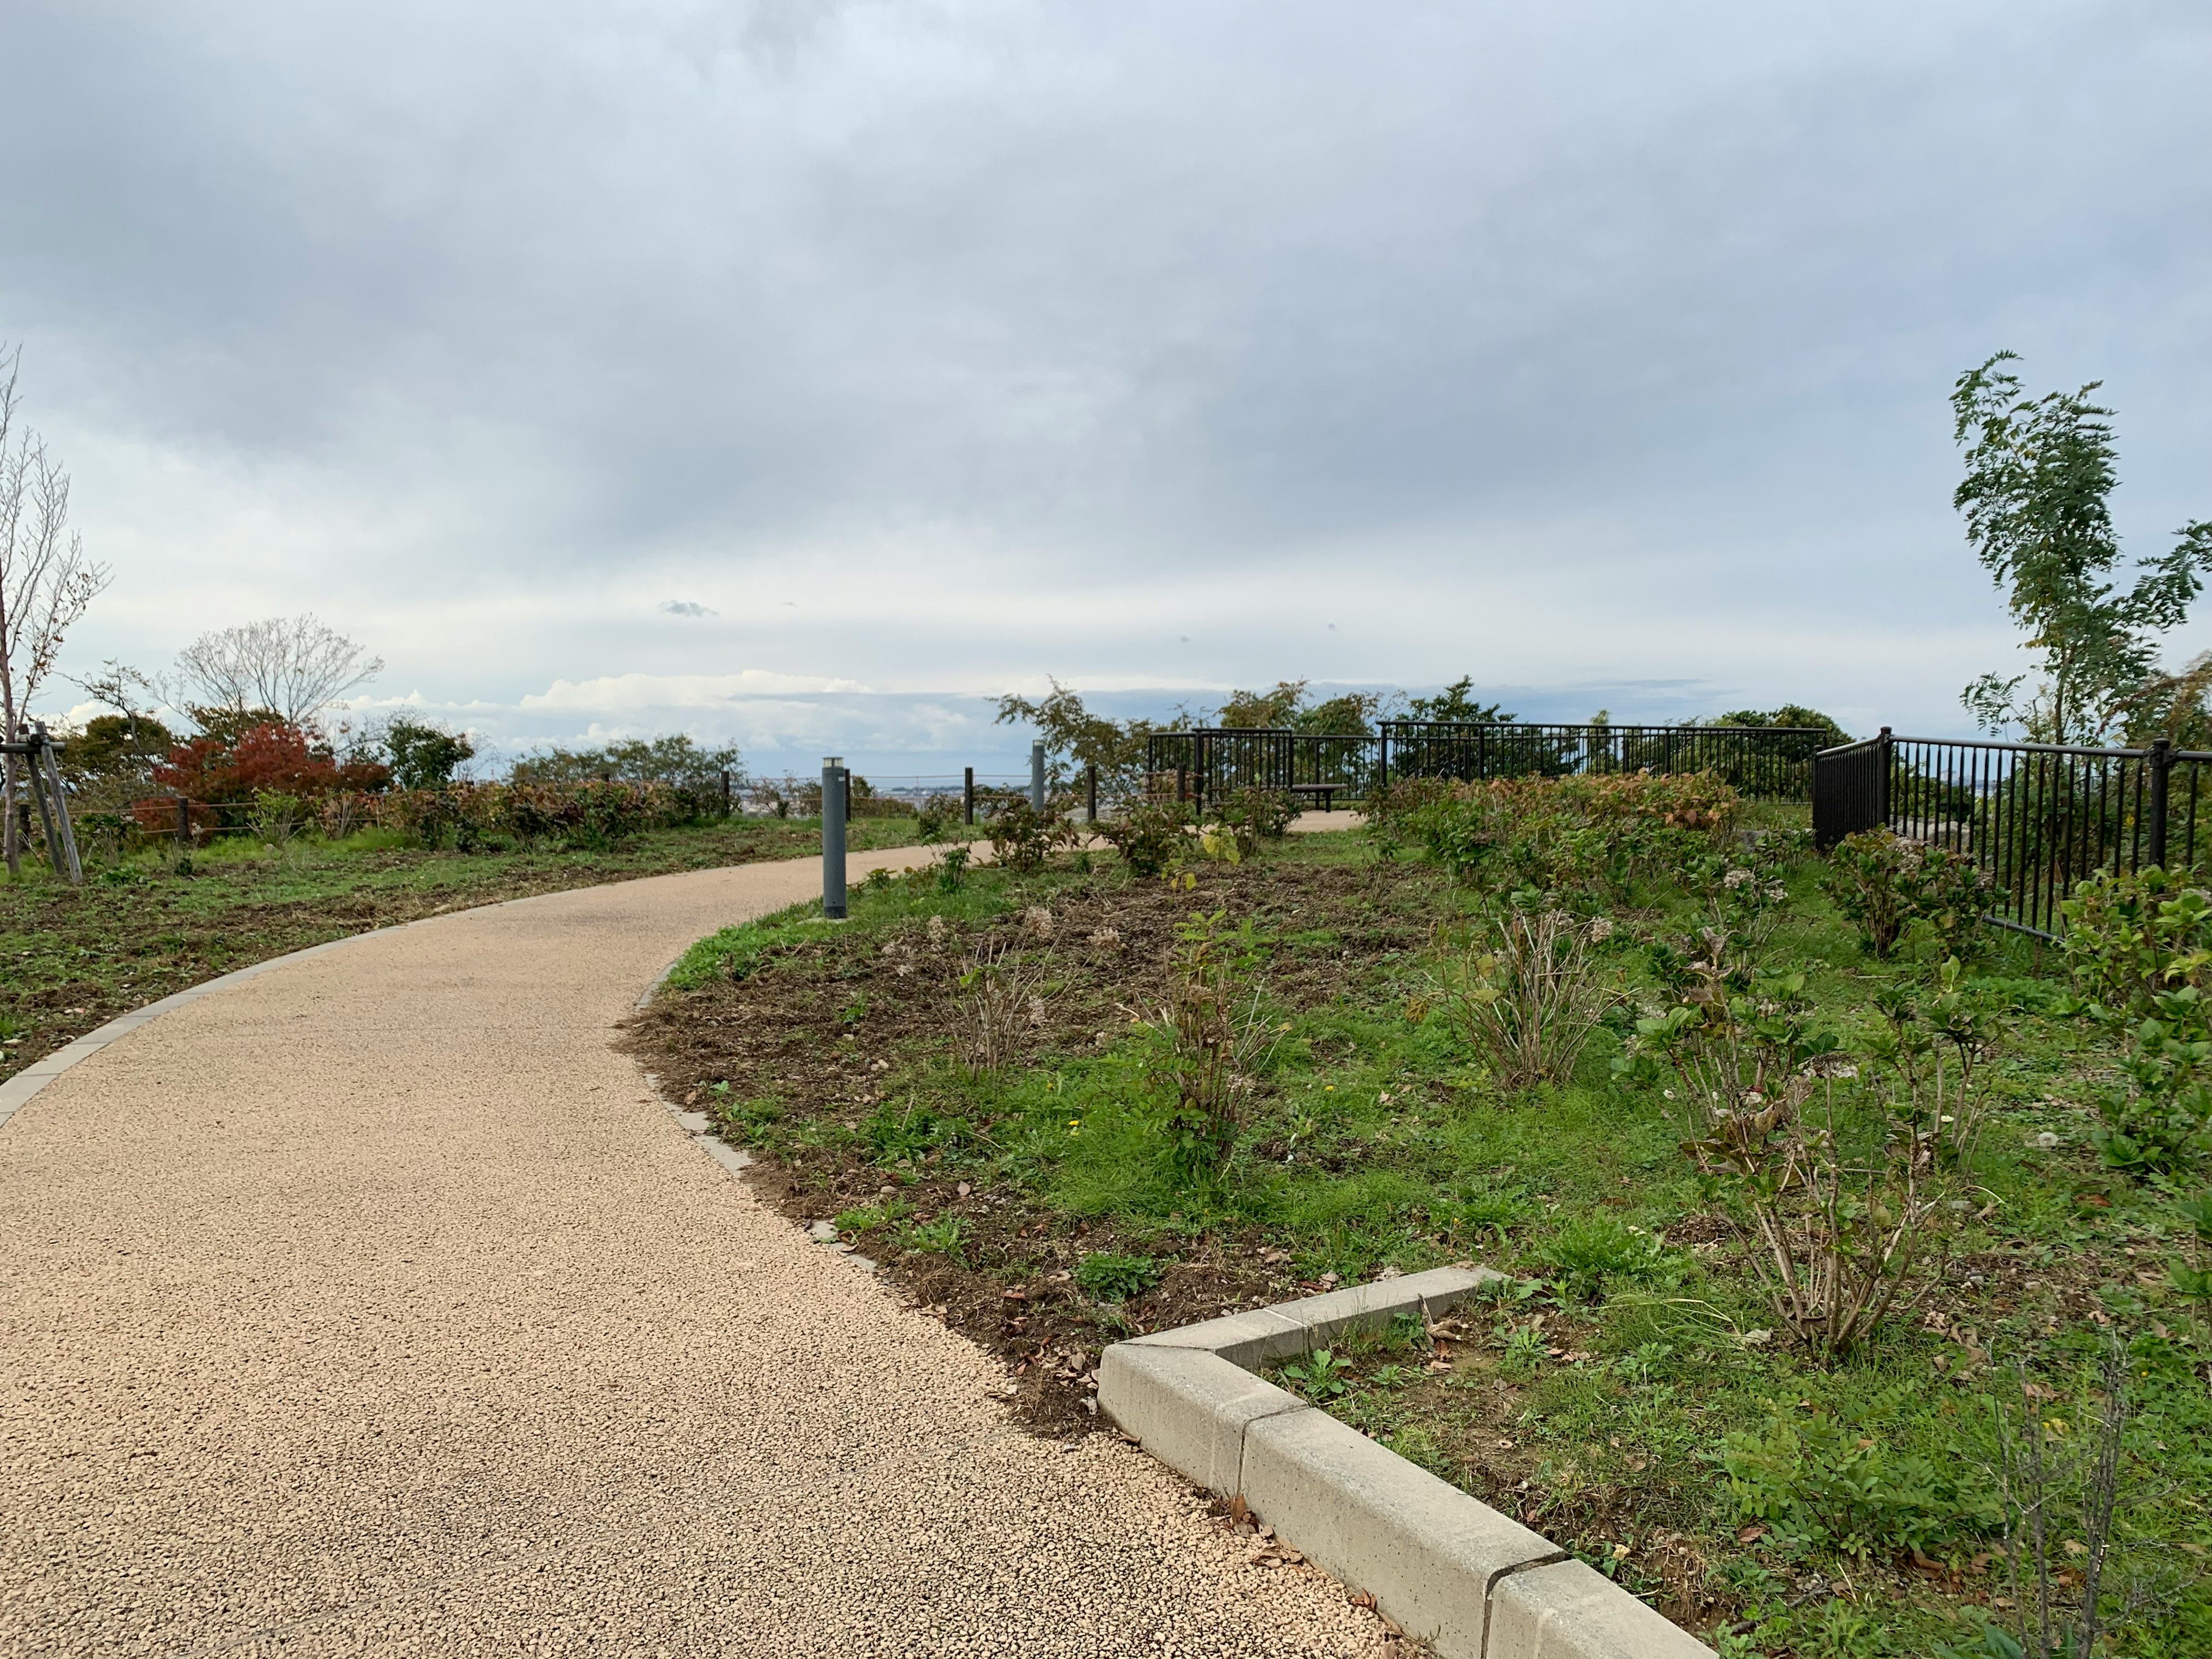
(637, 691)
(937, 350)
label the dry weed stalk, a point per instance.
(1530, 1000)
(2038, 1463)
(1218, 1039)
(997, 993)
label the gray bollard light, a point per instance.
(1036, 776)
(833, 837)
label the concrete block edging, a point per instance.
(1444, 1567)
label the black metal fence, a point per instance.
(1759, 760)
(2038, 816)
(1212, 761)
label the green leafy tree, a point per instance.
(1457, 701)
(681, 761)
(1789, 715)
(1264, 711)
(1075, 737)
(2037, 498)
(424, 755)
(119, 746)
(1288, 707)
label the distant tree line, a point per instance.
(1076, 738)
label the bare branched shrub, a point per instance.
(2055, 1480)
(1527, 996)
(46, 583)
(999, 995)
(1841, 1241)
(1842, 1234)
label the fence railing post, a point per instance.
(725, 792)
(968, 797)
(1036, 776)
(833, 836)
(1881, 779)
(183, 822)
(1091, 792)
(2161, 763)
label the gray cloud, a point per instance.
(935, 348)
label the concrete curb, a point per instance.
(1445, 1567)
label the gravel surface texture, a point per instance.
(374, 1305)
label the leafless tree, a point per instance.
(46, 580)
(294, 666)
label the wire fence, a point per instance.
(2038, 817)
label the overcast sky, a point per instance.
(800, 372)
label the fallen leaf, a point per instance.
(1751, 1534)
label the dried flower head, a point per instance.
(1038, 921)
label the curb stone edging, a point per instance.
(1444, 1567)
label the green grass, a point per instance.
(735, 951)
(1634, 1397)
(141, 928)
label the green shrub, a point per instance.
(1105, 1276)
(277, 815)
(939, 1237)
(1555, 833)
(1253, 815)
(1818, 1479)
(424, 755)
(1022, 838)
(1885, 884)
(1591, 1251)
(1151, 835)
(2130, 938)
(2161, 1122)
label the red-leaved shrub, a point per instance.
(277, 757)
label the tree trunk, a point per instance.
(7, 800)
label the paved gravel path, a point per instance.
(374, 1306)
